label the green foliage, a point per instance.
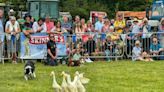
(83, 7)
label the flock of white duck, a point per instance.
(77, 85)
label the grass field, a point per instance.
(105, 77)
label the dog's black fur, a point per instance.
(29, 70)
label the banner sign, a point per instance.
(58, 38)
(35, 46)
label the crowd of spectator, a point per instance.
(106, 37)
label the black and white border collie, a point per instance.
(29, 70)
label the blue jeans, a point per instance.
(51, 62)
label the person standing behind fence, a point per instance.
(79, 32)
(90, 27)
(27, 31)
(119, 24)
(1, 33)
(66, 24)
(83, 25)
(136, 30)
(51, 51)
(106, 27)
(76, 22)
(161, 34)
(146, 29)
(39, 26)
(27, 25)
(49, 24)
(99, 24)
(58, 29)
(12, 30)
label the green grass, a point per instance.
(105, 77)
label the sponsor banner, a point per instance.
(35, 46)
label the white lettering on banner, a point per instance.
(39, 39)
(58, 38)
(61, 39)
(45, 39)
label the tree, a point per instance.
(82, 7)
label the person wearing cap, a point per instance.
(119, 24)
(137, 52)
(49, 24)
(39, 26)
(136, 29)
(146, 29)
(12, 30)
(11, 12)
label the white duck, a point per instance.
(64, 84)
(80, 86)
(83, 79)
(55, 85)
(71, 85)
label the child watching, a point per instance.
(137, 52)
(75, 61)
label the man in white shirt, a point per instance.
(39, 26)
(98, 27)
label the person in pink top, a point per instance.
(49, 24)
(106, 27)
